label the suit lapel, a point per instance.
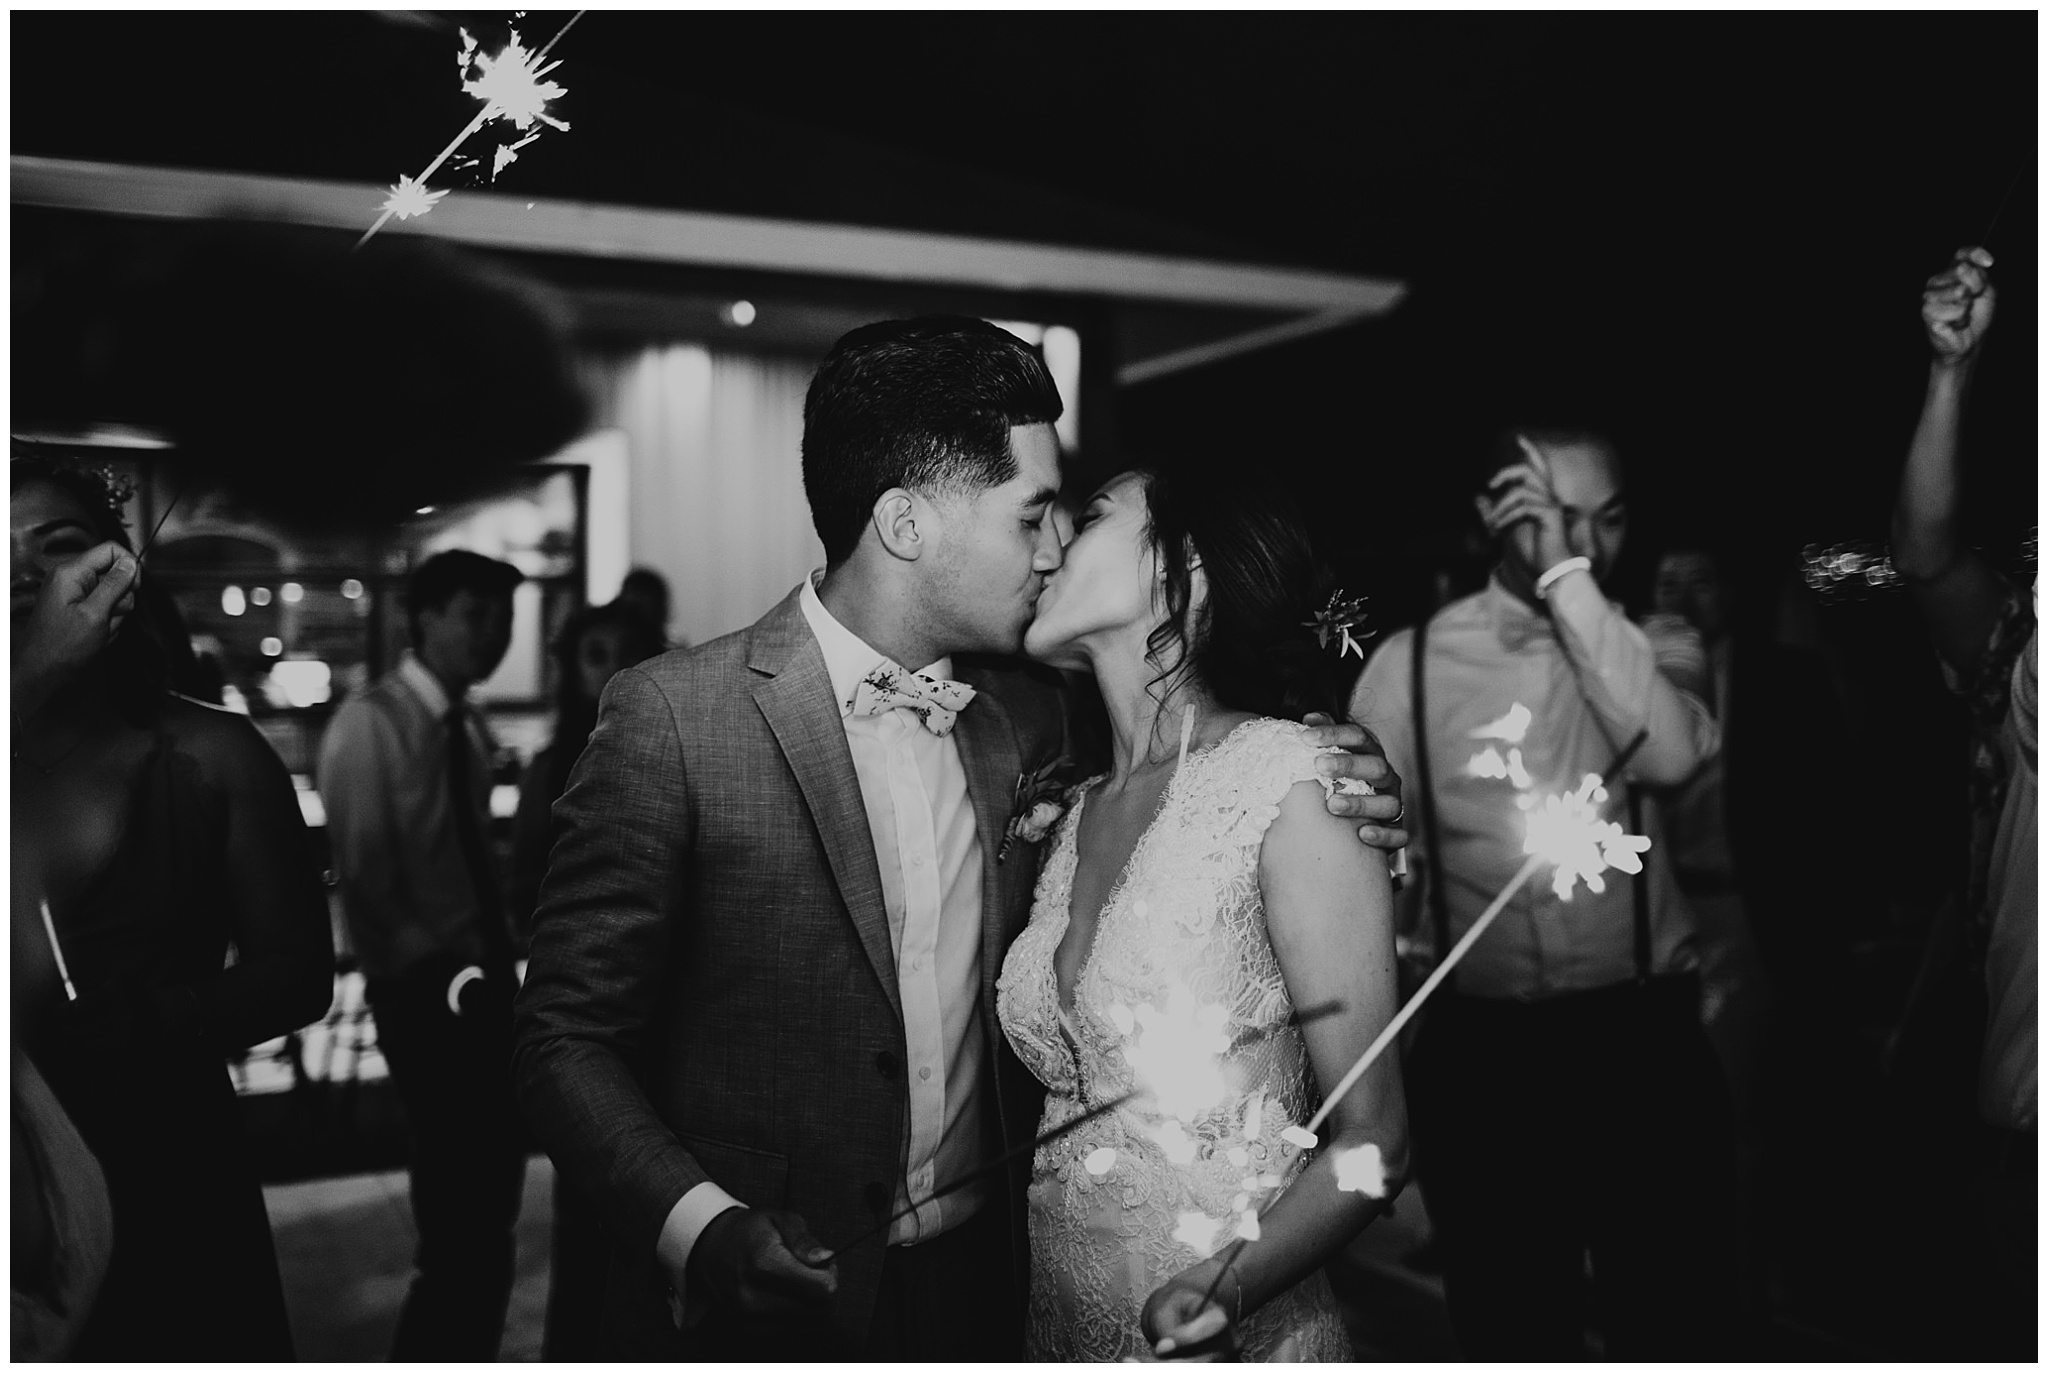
(988, 755)
(796, 700)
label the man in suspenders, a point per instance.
(1564, 1098)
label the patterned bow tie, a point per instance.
(932, 699)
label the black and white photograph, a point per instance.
(1037, 686)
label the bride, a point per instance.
(1191, 900)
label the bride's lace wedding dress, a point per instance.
(1181, 967)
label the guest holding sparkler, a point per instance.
(1192, 899)
(1565, 1097)
(1985, 630)
(151, 834)
(760, 1015)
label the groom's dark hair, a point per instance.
(926, 404)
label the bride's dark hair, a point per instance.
(1250, 645)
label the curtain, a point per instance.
(713, 493)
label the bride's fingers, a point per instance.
(1209, 1322)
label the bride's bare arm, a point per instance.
(1329, 913)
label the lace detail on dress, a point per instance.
(1183, 928)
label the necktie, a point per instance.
(934, 700)
(469, 835)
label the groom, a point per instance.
(760, 1018)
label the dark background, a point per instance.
(1706, 232)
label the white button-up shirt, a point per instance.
(922, 823)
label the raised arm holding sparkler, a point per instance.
(1960, 593)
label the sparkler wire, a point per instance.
(1300, 1017)
(985, 1170)
(1407, 1012)
(482, 116)
(150, 542)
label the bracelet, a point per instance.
(462, 979)
(1569, 565)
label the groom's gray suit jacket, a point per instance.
(712, 990)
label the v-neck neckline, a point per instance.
(1066, 1007)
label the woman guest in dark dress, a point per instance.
(187, 922)
(595, 643)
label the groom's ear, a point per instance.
(895, 518)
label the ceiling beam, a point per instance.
(695, 238)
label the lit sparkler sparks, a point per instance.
(1569, 831)
(1509, 729)
(409, 198)
(1361, 1169)
(1178, 1053)
(511, 89)
(510, 84)
(1198, 1232)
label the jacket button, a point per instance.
(885, 1064)
(877, 1197)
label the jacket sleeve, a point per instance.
(598, 959)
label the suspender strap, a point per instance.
(1433, 885)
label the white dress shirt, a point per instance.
(406, 888)
(1590, 679)
(922, 823)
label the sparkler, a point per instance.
(990, 1169)
(1537, 858)
(1557, 844)
(150, 542)
(56, 949)
(511, 88)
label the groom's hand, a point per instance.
(763, 1264)
(1363, 762)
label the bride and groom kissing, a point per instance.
(796, 973)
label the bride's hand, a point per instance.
(1183, 1326)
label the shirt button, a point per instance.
(924, 1074)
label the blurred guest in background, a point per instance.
(1564, 1097)
(403, 773)
(1984, 629)
(151, 835)
(646, 591)
(595, 643)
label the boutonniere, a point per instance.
(1038, 803)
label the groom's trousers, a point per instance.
(950, 1298)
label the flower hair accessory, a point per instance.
(1039, 802)
(1335, 621)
